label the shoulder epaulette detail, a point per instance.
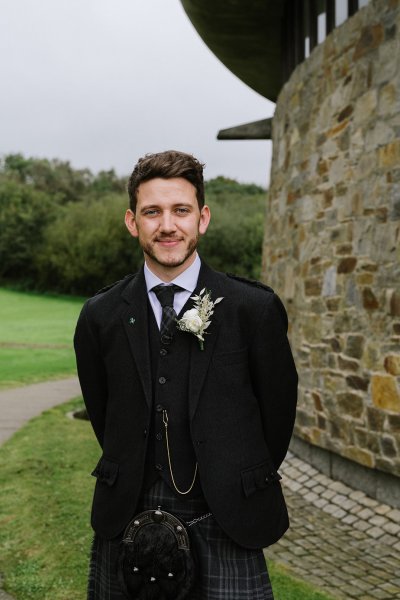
(108, 287)
(251, 282)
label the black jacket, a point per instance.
(242, 400)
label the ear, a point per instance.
(205, 216)
(130, 222)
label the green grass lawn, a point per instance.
(36, 337)
(45, 502)
(45, 506)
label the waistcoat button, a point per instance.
(162, 380)
(159, 407)
(163, 352)
(159, 436)
(159, 467)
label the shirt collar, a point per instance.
(186, 280)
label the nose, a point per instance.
(167, 224)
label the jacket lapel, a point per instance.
(200, 359)
(135, 321)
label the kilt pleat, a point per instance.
(226, 570)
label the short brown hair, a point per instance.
(168, 164)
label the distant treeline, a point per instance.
(62, 229)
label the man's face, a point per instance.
(168, 223)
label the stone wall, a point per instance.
(331, 246)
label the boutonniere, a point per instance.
(197, 319)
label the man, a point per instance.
(192, 401)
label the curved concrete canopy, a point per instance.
(246, 35)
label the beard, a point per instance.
(150, 250)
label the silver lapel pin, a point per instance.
(131, 321)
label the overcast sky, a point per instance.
(102, 82)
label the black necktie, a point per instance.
(165, 295)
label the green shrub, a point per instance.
(234, 238)
(220, 188)
(62, 229)
(86, 247)
(24, 214)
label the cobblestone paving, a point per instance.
(340, 540)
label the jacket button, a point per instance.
(144, 432)
(159, 407)
(159, 467)
(162, 380)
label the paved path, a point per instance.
(340, 540)
(18, 405)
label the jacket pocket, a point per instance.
(259, 477)
(106, 471)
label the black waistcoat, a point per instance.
(170, 377)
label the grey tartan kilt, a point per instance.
(226, 570)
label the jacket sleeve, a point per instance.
(91, 373)
(274, 377)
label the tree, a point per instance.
(24, 214)
(87, 246)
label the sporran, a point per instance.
(156, 561)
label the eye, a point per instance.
(150, 212)
(182, 210)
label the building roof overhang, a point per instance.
(257, 130)
(246, 36)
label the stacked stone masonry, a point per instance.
(331, 247)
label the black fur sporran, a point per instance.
(156, 562)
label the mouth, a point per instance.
(168, 243)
